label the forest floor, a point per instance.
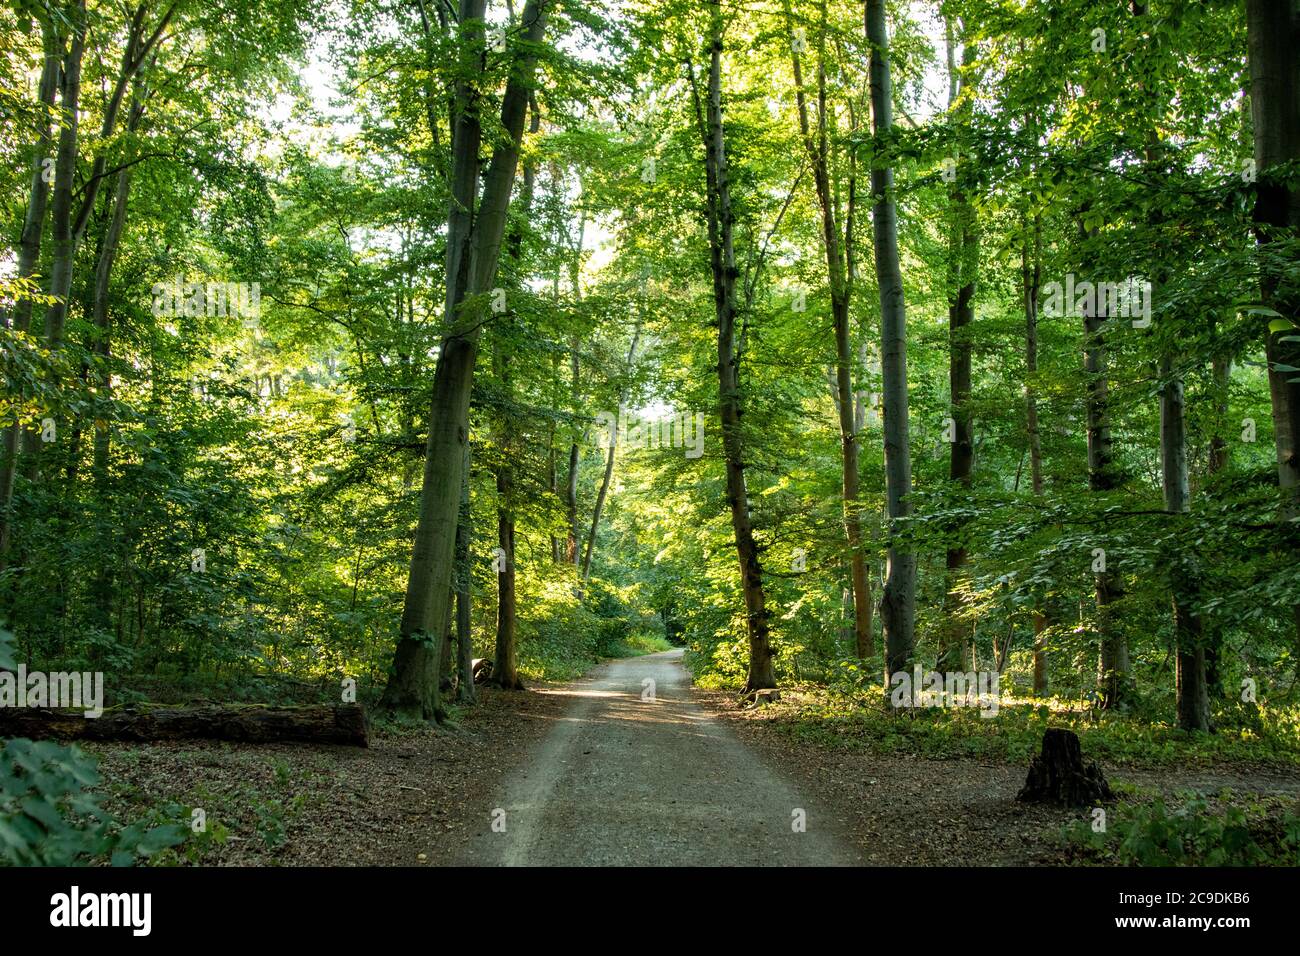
(909, 810)
(399, 802)
(601, 771)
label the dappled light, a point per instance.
(649, 433)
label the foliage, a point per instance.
(307, 148)
(50, 817)
(49, 814)
(1191, 833)
(845, 717)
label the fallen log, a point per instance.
(1059, 774)
(242, 723)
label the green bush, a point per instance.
(48, 814)
(1190, 835)
(845, 716)
(557, 633)
(50, 817)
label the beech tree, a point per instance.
(475, 234)
(898, 604)
(656, 212)
(1274, 94)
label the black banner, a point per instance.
(337, 906)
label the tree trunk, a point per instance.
(63, 234)
(571, 506)
(575, 369)
(465, 692)
(1220, 458)
(963, 266)
(553, 479)
(839, 268)
(603, 493)
(68, 225)
(466, 135)
(1220, 453)
(65, 168)
(29, 253)
(722, 259)
(1113, 663)
(571, 479)
(506, 671)
(600, 501)
(898, 605)
(1192, 695)
(412, 689)
(1059, 775)
(1031, 277)
(1273, 32)
(445, 670)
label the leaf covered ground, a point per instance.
(403, 801)
(939, 789)
(924, 792)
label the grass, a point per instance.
(1249, 734)
(551, 662)
(638, 645)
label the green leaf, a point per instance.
(161, 837)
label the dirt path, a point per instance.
(588, 773)
(626, 777)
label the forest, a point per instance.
(906, 391)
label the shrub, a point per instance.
(48, 814)
(1190, 835)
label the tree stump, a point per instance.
(1059, 775)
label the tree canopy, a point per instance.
(364, 340)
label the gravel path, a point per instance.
(635, 773)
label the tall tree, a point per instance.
(29, 252)
(505, 673)
(1273, 32)
(722, 259)
(898, 604)
(1031, 255)
(607, 477)
(1103, 475)
(840, 268)
(963, 266)
(1192, 693)
(473, 252)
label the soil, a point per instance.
(601, 771)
